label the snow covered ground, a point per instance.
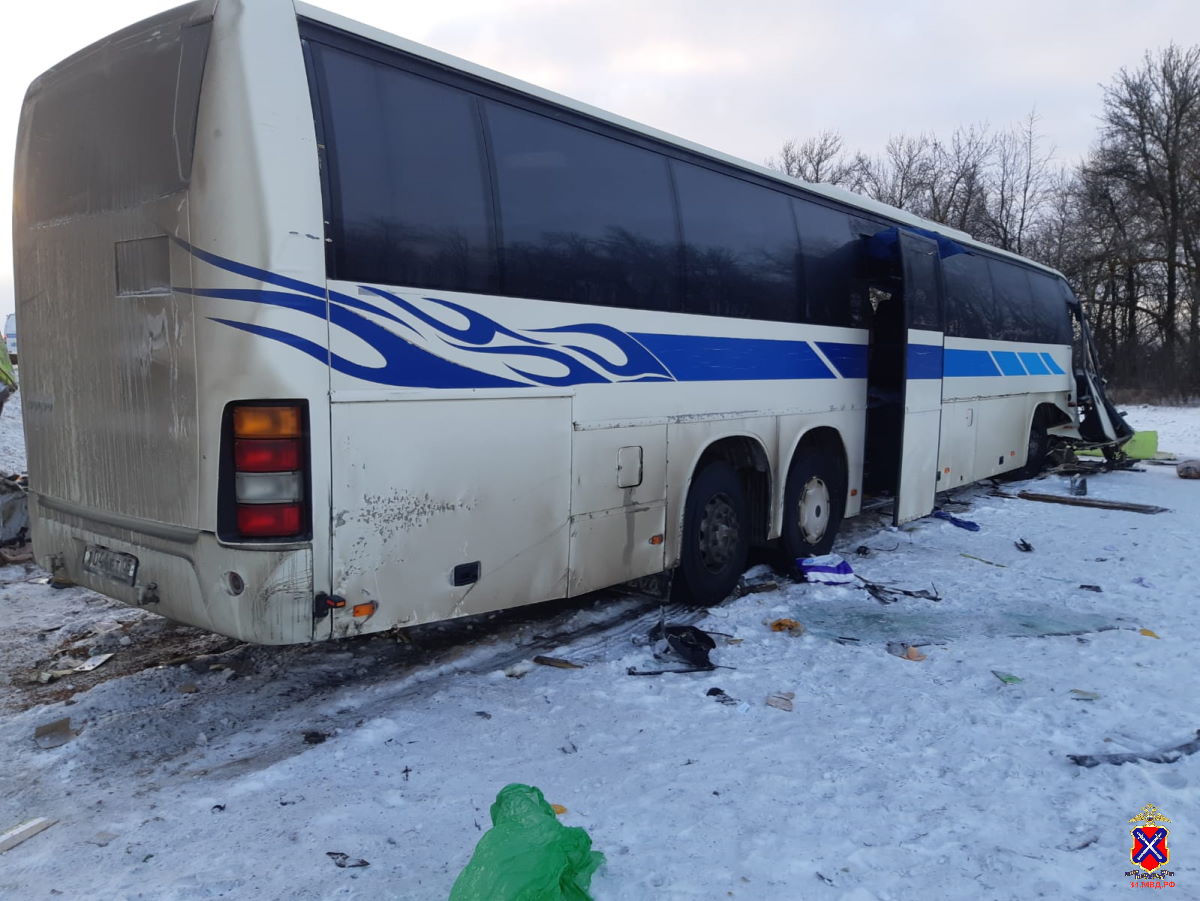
(890, 779)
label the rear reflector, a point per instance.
(269, 520)
(266, 454)
(267, 422)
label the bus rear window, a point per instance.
(114, 125)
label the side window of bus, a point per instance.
(407, 183)
(830, 248)
(969, 298)
(1015, 315)
(1053, 315)
(740, 247)
(585, 218)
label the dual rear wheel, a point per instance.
(716, 525)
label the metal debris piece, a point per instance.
(1166, 755)
(1078, 694)
(1023, 545)
(1006, 678)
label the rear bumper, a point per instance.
(183, 574)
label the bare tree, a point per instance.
(817, 160)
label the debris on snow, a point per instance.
(886, 594)
(981, 560)
(781, 700)
(1023, 545)
(1006, 678)
(1091, 588)
(345, 861)
(1165, 755)
(54, 734)
(904, 651)
(827, 569)
(1091, 502)
(315, 738)
(956, 521)
(1078, 694)
(720, 697)
(785, 624)
(1188, 469)
(23, 832)
(1149, 633)
(556, 662)
(681, 642)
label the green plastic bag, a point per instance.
(528, 855)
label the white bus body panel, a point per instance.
(125, 395)
(990, 391)
(552, 490)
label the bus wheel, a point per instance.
(716, 536)
(813, 504)
(1039, 448)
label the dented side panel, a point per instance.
(427, 484)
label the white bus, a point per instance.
(328, 333)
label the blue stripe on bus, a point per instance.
(649, 357)
(924, 361)
(850, 360)
(1010, 363)
(1054, 367)
(703, 358)
(969, 363)
(1034, 364)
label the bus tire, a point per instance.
(814, 502)
(716, 536)
(1039, 448)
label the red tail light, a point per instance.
(269, 477)
(270, 520)
(267, 454)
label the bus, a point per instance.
(327, 333)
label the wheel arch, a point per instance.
(825, 438)
(749, 458)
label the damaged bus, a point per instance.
(325, 332)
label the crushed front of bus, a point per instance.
(132, 155)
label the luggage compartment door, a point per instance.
(445, 506)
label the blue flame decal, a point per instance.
(427, 342)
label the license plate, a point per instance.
(111, 564)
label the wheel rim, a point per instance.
(814, 510)
(719, 533)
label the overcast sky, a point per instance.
(739, 77)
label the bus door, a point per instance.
(916, 479)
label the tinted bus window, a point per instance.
(1050, 308)
(584, 218)
(408, 195)
(1013, 317)
(830, 247)
(740, 248)
(969, 299)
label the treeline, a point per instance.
(1123, 225)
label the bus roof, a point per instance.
(832, 192)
